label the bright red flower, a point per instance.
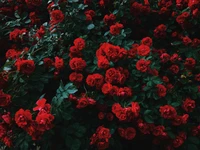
(41, 105)
(142, 65)
(79, 43)
(25, 66)
(23, 118)
(147, 41)
(77, 64)
(76, 77)
(116, 28)
(143, 50)
(44, 121)
(59, 63)
(57, 16)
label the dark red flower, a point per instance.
(168, 112)
(129, 133)
(77, 64)
(5, 99)
(161, 90)
(189, 105)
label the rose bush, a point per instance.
(100, 74)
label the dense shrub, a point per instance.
(100, 74)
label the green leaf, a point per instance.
(75, 144)
(148, 119)
(147, 112)
(90, 26)
(24, 145)
(171, 135)
(192, 147)
(175, 104)
(194, 140)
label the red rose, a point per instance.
(174, 69)
(187, 40)
(76, 77)
(44, 121)
(103, 133)
(109, 116)
(116, 28)
(116, 107)
(159, 131)
(103, 62)
(57, 16)
(59, 63)
(161, 90)
(135, 108)
(112, 76)
(109, 19)
(143, 50)
(121, 132)
(79, 43)
(77, 64)
(164, 57)
(168, 112)
(5, 99)
(11, 53)
(174, 57)
(160, 31)
(106, 88)
(102, 145)
(82, 102)
(177, 142)
(23, 118)
(188, 105)
(189, 63)
(7, 118)
(42, 106)
(197, 77)
(48, 62)
(124, 92)
(33, 3)
(142, 65)
(25, 66)
(147, 41)
(129, 133)
(101, 115)
(165, 79)
(3, 130)
(40, 32)
(96, 80)
(177, 121)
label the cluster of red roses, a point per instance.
(43, 122)
(121, 78)
(5, 129)
(101, 138)
(128, 113)
(83, 101)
